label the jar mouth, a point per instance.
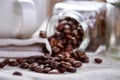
(51, 26)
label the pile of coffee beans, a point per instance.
(68, 35)
(48, 63)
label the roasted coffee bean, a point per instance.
(69, 36)
(47, 61)
(17, 73)
(65, 65)
(75, 32)
(67, 26)
(57, 34)
(75, 55)
(71, 69)
(24, 65)
(60, 45)
(56, 49)
(53, 41)
(47, 69)
(2, 65)
(60, 27)
(20, 60)
(76, 64)
(98, 60)
(75, 42)
(13, 63)
(42, 66)
(38, 69)
(42, 34)
(30, 60)
(61, 69)
(40, 62)
(45, 57)
(67, 31)
(54, 71)
(85, 60)
(6, 61)
(61, 57)
(53, 64)
(32, 66)
(70, 60)
(66, 54)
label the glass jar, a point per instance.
(61, 15)
(93, 14)
(113, 28)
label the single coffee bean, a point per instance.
(57, 34)
(72, 69)
(32, 66)
(53, 42)
(67, 31)
(61, 57)
(98, 60)
(47, 69)
(2, 65)
(53, 64)
(75, 42)
(85, 60)
(61, 69)
(66, 54)
(38, 69)
(6, 61)
(42, 34)
(67, 26)
(20, 60)
(69, 36)
(56, 49)
(70, 60)
(17, 73)
(65, 64)
(13, 63)
(60, 45)
(54, 71)
(75, 55)
(24, 65)
(30, 60)
(60, 27)
(76, 64)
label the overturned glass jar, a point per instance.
(90, 15)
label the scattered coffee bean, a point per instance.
(42, 34)
(32, 66)
(46, 70)
(17, 73)
(65, 64)
(24, 65)
(6, 61)
(13, 63)
(53, 64)
(2, 65)
(61, 69)
(77, 64)
(98, 60)
(38, 69)
(54, 71)
(72, 69)
(20, 60)
(56, 49)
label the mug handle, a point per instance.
(29, 18)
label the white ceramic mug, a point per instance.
(18, 18)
